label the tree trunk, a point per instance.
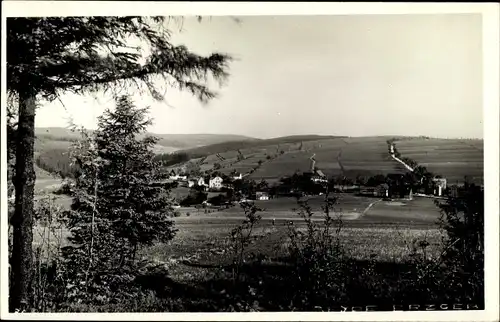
(22, 221)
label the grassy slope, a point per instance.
(367, 156)
(283, 142)
(452, 158)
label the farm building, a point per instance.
(315, 174)
(439, 186)
(177, 177)
(319, 176)
(197, 182)
(262, 195)
(215, 183)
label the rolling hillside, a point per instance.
(282, 142)
(54, 137)
(453, 159)
(365, 156)
(272, 159)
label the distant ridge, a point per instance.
(235, 145)
(170, 141)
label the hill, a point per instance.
(271, 159)
(350, 157)
(52, 144)
(255, 143)
(169, 141)
(452, 158)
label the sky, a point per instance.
(354, 75)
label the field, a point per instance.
(338, 156)
(365, 156)
(377, 236)
(453, 159)
(358, 213)
(349, 156)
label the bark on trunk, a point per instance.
(22, 221)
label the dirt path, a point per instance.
(369, 206)
(339, 156)
(399, 160)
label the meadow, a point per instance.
(365, 156)
(339, 156)
(390, 224)
(452, 159)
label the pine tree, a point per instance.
(47, 56)
(120, 203)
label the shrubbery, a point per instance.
(195, 197)
(319, 265)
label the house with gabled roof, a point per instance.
(197, 181)
(215, 183)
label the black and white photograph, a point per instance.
(306, 165)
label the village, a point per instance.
(214, 188)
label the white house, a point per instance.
(260, 195)
(319, 176)
(197, 181)
(238, 177)
(177, 177)
(440, 184)
(215, 183)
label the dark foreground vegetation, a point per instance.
(121, 208)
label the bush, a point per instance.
(463, 221)
(219, 200)
(195, 197)
(319, 264)
(241, 237)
